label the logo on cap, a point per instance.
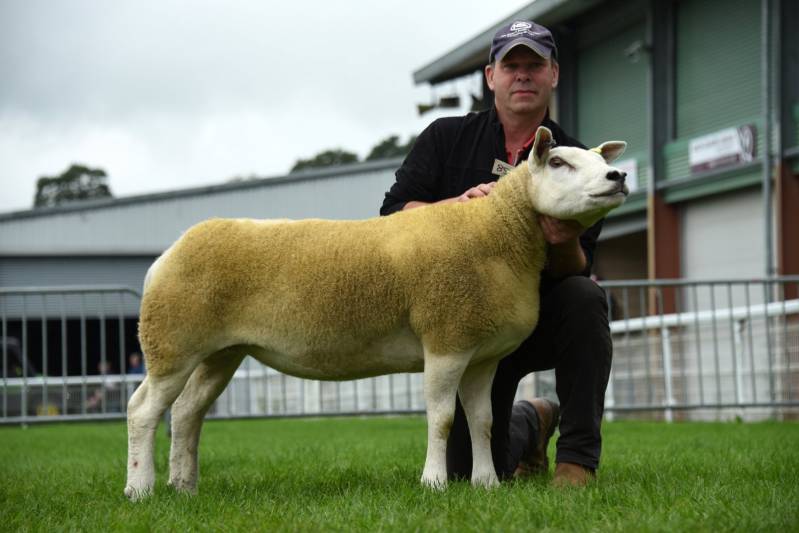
(520, 26)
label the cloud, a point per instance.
(171, 94)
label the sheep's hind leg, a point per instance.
(442, 373)
(475, 394)
(145, 409)
(206, 383)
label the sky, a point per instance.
(170, 94)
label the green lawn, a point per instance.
(362, 474)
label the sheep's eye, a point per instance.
(556, 162)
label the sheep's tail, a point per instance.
(148, 280)
(148, 277)
(150, 340)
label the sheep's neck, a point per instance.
(519, 234)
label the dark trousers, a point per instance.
(572, 337)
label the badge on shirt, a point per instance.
(500, 168)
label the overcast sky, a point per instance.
(170, 94)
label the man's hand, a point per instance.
(484, 189)
(559, 231)
(566, 256)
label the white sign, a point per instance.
(728, 147)
(630, 166)
(500, 168)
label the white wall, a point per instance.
(722, 237)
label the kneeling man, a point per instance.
(457, 159)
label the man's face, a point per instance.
(522, 81)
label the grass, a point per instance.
(362, 474)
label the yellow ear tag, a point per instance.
(596, 149)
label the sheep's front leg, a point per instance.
(442, 373)
(475, 394)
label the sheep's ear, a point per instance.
(611, 150)
(541, 146)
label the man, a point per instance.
(459, 159)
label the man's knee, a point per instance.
(581, 294)
(583, 312)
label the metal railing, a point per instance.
(682, 349)
(59, 346)
(65, 356)
(704, 349)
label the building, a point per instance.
(114, 241)
(706, 93)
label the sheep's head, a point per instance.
(570, 183)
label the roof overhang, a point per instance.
(303, 175)
(473, 54)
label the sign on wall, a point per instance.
(725, 148)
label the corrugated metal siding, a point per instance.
(718, 64)
(612, 97)
(70, 271)
(149, 227)
(722, 237)
(106, 305)
(55, 271)
(796, 124)
(612, 92)
(795, 165)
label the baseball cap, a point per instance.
(534, 36)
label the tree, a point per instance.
(75, 184)
(328, 158)
(390, 147)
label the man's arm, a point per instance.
(475, 192)
(417, 177)
(566, 256)
(571, 250)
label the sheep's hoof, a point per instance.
(134, 494)
(434, 482)
(488, 481)
(183, 487)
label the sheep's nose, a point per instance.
(615, 175)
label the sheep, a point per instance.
(447, 289)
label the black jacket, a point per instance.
(454, 154)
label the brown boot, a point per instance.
(572, 475)
(536, 462)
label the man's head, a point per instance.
(523, 69)
(521, 32)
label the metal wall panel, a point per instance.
(718, 64)
(149, 225)
(69, 272)
(613, 93)
(55, 271)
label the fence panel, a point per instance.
(66, 352)
(682, 349)
(705, 350)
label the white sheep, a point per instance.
(448, 289)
